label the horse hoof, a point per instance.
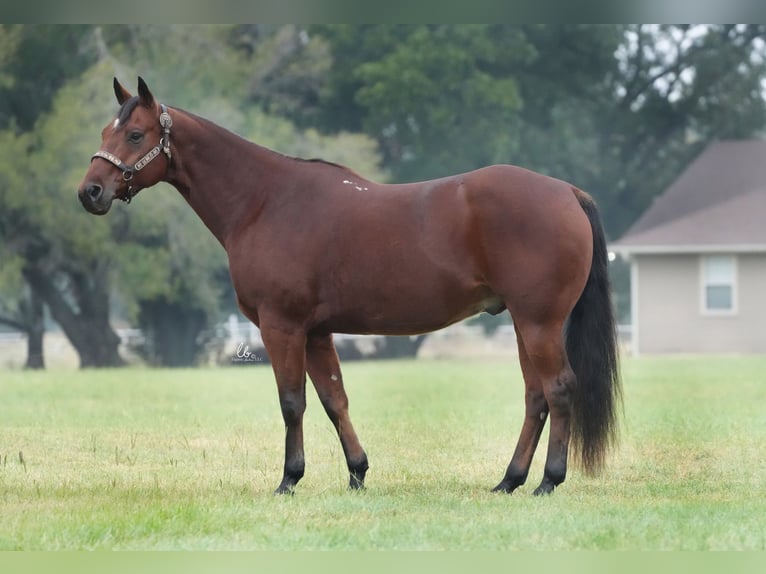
(504, 487)
(285, 489)
(546, 487)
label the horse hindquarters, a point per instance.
(579, 396)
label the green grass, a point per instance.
(188, 459)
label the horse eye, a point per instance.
(135, 137)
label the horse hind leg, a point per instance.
(324, 370)
(545, 348)
(536, 411)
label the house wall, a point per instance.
(669, 313)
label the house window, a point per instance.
(719, 284)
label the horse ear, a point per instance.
(122, 94)
(147, 99)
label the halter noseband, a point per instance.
(129, 171)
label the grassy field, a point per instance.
(188, 459)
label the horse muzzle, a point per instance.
(95, 198)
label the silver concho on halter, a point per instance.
(166, 122)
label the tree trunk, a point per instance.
(35, 332)
(87, 328)
(28, 318)
(398, 347)
(172, 333)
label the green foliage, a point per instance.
(286, 68)
(31, 53)
(9, 41)
(433, 96)
(11, 288)
(60, 142)
(357, 151)
(185, 65)
(151, 459)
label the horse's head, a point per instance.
(129, 145)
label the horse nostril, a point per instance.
(94, 191)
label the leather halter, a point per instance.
(129, 171)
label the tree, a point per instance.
(286, 68)
(36, 61)
(21, 308)
(677, 88)
(28, 53)
(432, 96)
(170, 275)
(66, 269)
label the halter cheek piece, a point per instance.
(129, 171)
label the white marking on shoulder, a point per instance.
(357, 187)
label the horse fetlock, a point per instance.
(555, 475)
(292, 475)
(514, 478)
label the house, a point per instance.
(698, 257)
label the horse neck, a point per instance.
(222, 176)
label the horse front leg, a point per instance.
(324, 369)
(534, 421)
(287, 351)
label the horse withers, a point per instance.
(316, 249)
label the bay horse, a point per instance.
(316, 249)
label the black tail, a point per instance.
(591, 345)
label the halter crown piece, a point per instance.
(129, 171)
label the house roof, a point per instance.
(717, 204)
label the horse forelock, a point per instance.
(126, 110)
